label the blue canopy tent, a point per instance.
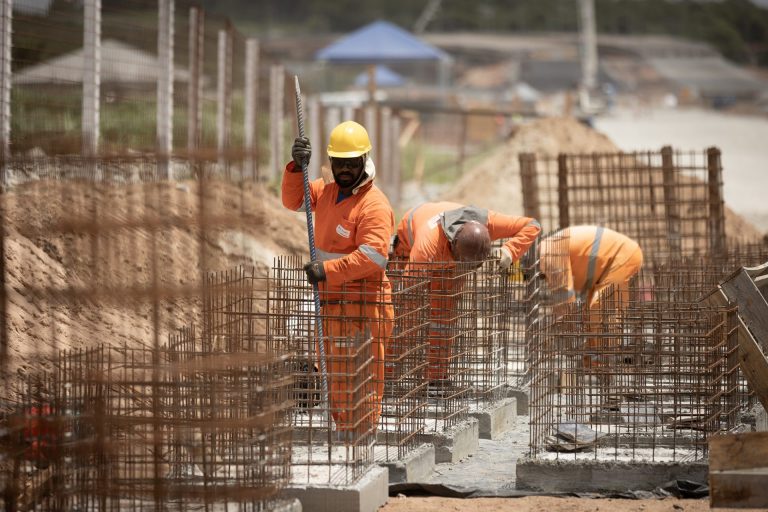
(382, 42)
(384, 77)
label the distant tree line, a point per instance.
(737, 28)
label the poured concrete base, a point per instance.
(599, 476)
(521, 396)
(416, 466)
(457, 443)
(289, 505)
(497, 419)
(366, 495)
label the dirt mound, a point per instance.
(495, 183)
(81, 259)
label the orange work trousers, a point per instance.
(598, 314)
(356, 376)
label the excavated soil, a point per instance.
(495, 182)
(83, 261)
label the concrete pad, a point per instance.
(367, 494)
(522, 398)
(600, 476)
(457, 443)
(289, 505)
(416, 466)
(496, 419)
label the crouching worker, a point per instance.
(448, 236)
(353, 227)
(597, 258)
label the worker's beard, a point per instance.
(346, 179)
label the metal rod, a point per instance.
(312, 254)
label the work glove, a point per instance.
(301, 151)
(505, 259)
(315, 272)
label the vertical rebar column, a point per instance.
(165, 87)
(251, 107)
(224, 94)
(716, 208)
(671, 207)
(530, 185)
(562, 191)
(6, 16)
(463, 141)
(396, 165)
(276, 105)
(195, 92)
(314, 131)
(384, 157)
(91, 76)
(371, 126)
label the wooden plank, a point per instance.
(753, 308)
(754, 364)
(738, 451)
(739, 489)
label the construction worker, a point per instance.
(597, 257)
(434, 237)
(354, 223)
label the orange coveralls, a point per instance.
(352, 237)
(598, 258)
(424, 235)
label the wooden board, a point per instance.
(738, 470)
(754, 363)
(739, 488)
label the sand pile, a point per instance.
(495, 183)
(53, 262)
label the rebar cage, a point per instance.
(634, 377)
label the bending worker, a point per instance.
(450, 232)
(353, 227)
(597, 257)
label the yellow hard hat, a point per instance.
(348, 140)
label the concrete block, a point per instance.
(416, 466)
(366, 495)
(457, 443)
(496, 419)
(521, 395)
(601, 476)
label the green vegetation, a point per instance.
(737, 28)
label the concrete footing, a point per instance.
(601, 476)
(496, 419)
(416, 466)
(457, 443)
(366, 495)
(521, 396)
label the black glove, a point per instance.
(315, 272)
(301, 151)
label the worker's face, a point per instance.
(346, 171)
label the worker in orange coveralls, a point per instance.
(598, 257)
(354, 224)
(451, 232)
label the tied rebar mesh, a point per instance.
(669, 201)
(354, 329)
(636, 377)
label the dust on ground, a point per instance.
(52, 261)
(545, 504)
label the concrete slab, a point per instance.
(496, 419)
(456, 443)
(521, 396)
(599, 476)
(289, 505)
(416, 466)
(367, 494)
